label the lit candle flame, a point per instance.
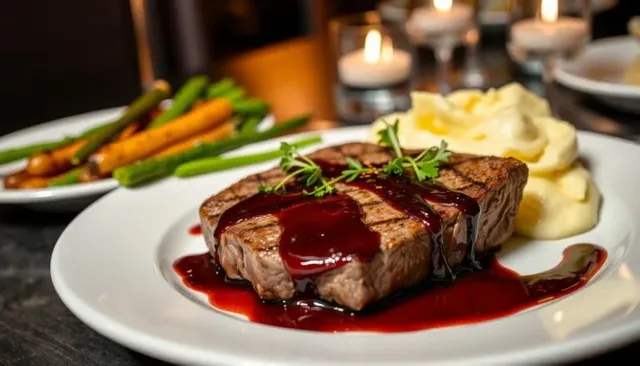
(549, 10)
(443, 6)
(372, 47)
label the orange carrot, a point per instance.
(215, 134)
(148, 142)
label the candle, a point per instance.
(444, 17)
(378, 64)
(550, 33)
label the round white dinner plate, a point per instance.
(599, 69)
(112, 267)
(68, 198)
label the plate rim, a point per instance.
(596, 87)
(155, 346)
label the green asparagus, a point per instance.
(152, 169)
(235, 95)
(71, 177)
(183, 100)
(251, 107)
(11, 155)
(250, 124)
(139, 107)
(18, 153)
(220, 88)
(214, 164)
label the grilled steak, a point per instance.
(249, 249)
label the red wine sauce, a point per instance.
(413, 199)
(318, 234)
(195, 230)
(474, 297)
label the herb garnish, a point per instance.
(301, 168)
(425, 165)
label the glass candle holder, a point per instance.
(368, 54)
(544, 31)
(442, 25)
(375, 66)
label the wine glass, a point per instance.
(441, 25)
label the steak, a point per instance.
(249, 250)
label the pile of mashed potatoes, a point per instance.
(560, 198)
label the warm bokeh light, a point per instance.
(549, 10)
(372, 47)
(443, 5)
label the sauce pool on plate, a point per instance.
(483, 295)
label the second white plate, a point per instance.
(69, 198)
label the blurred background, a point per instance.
(66, 57)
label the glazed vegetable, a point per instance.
(139, 108)
(69, 178)
(235, 95)
(214, 164)
(251, 107)
(183, 100)
(14, 180)
(215, 134)
(55, 161)
(251, 124)
(10, 155)
(220, 88)
(34, 183)
(152, 169)
(147, 142)
(128, 131)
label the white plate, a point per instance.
(69, 198)
(112, 268)
(599, 69)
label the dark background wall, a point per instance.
(65, 57)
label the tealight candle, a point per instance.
(550, 34)
(376, 65)
(443, 17)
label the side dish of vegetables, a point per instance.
(148, 142)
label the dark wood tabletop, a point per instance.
(296, 77)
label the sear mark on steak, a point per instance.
(249, 250)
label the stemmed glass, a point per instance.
(442, 25)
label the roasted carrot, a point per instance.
(34, 183)
(146, 143)
(14, 180)
(53, 162)
(215, 134)
(128, 131)
(86, 176)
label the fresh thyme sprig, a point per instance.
(425, 165)
(298, 166)
(302, 169)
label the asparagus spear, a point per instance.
(214, 164)
(10, 155)
(69, 178)
(220, 88)
(182, 100)
(139, 107)
(235, 95)
(250, 124)
(251, 107)
(152, 169)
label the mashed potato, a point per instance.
(560, 198)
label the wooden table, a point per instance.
(36, 328)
